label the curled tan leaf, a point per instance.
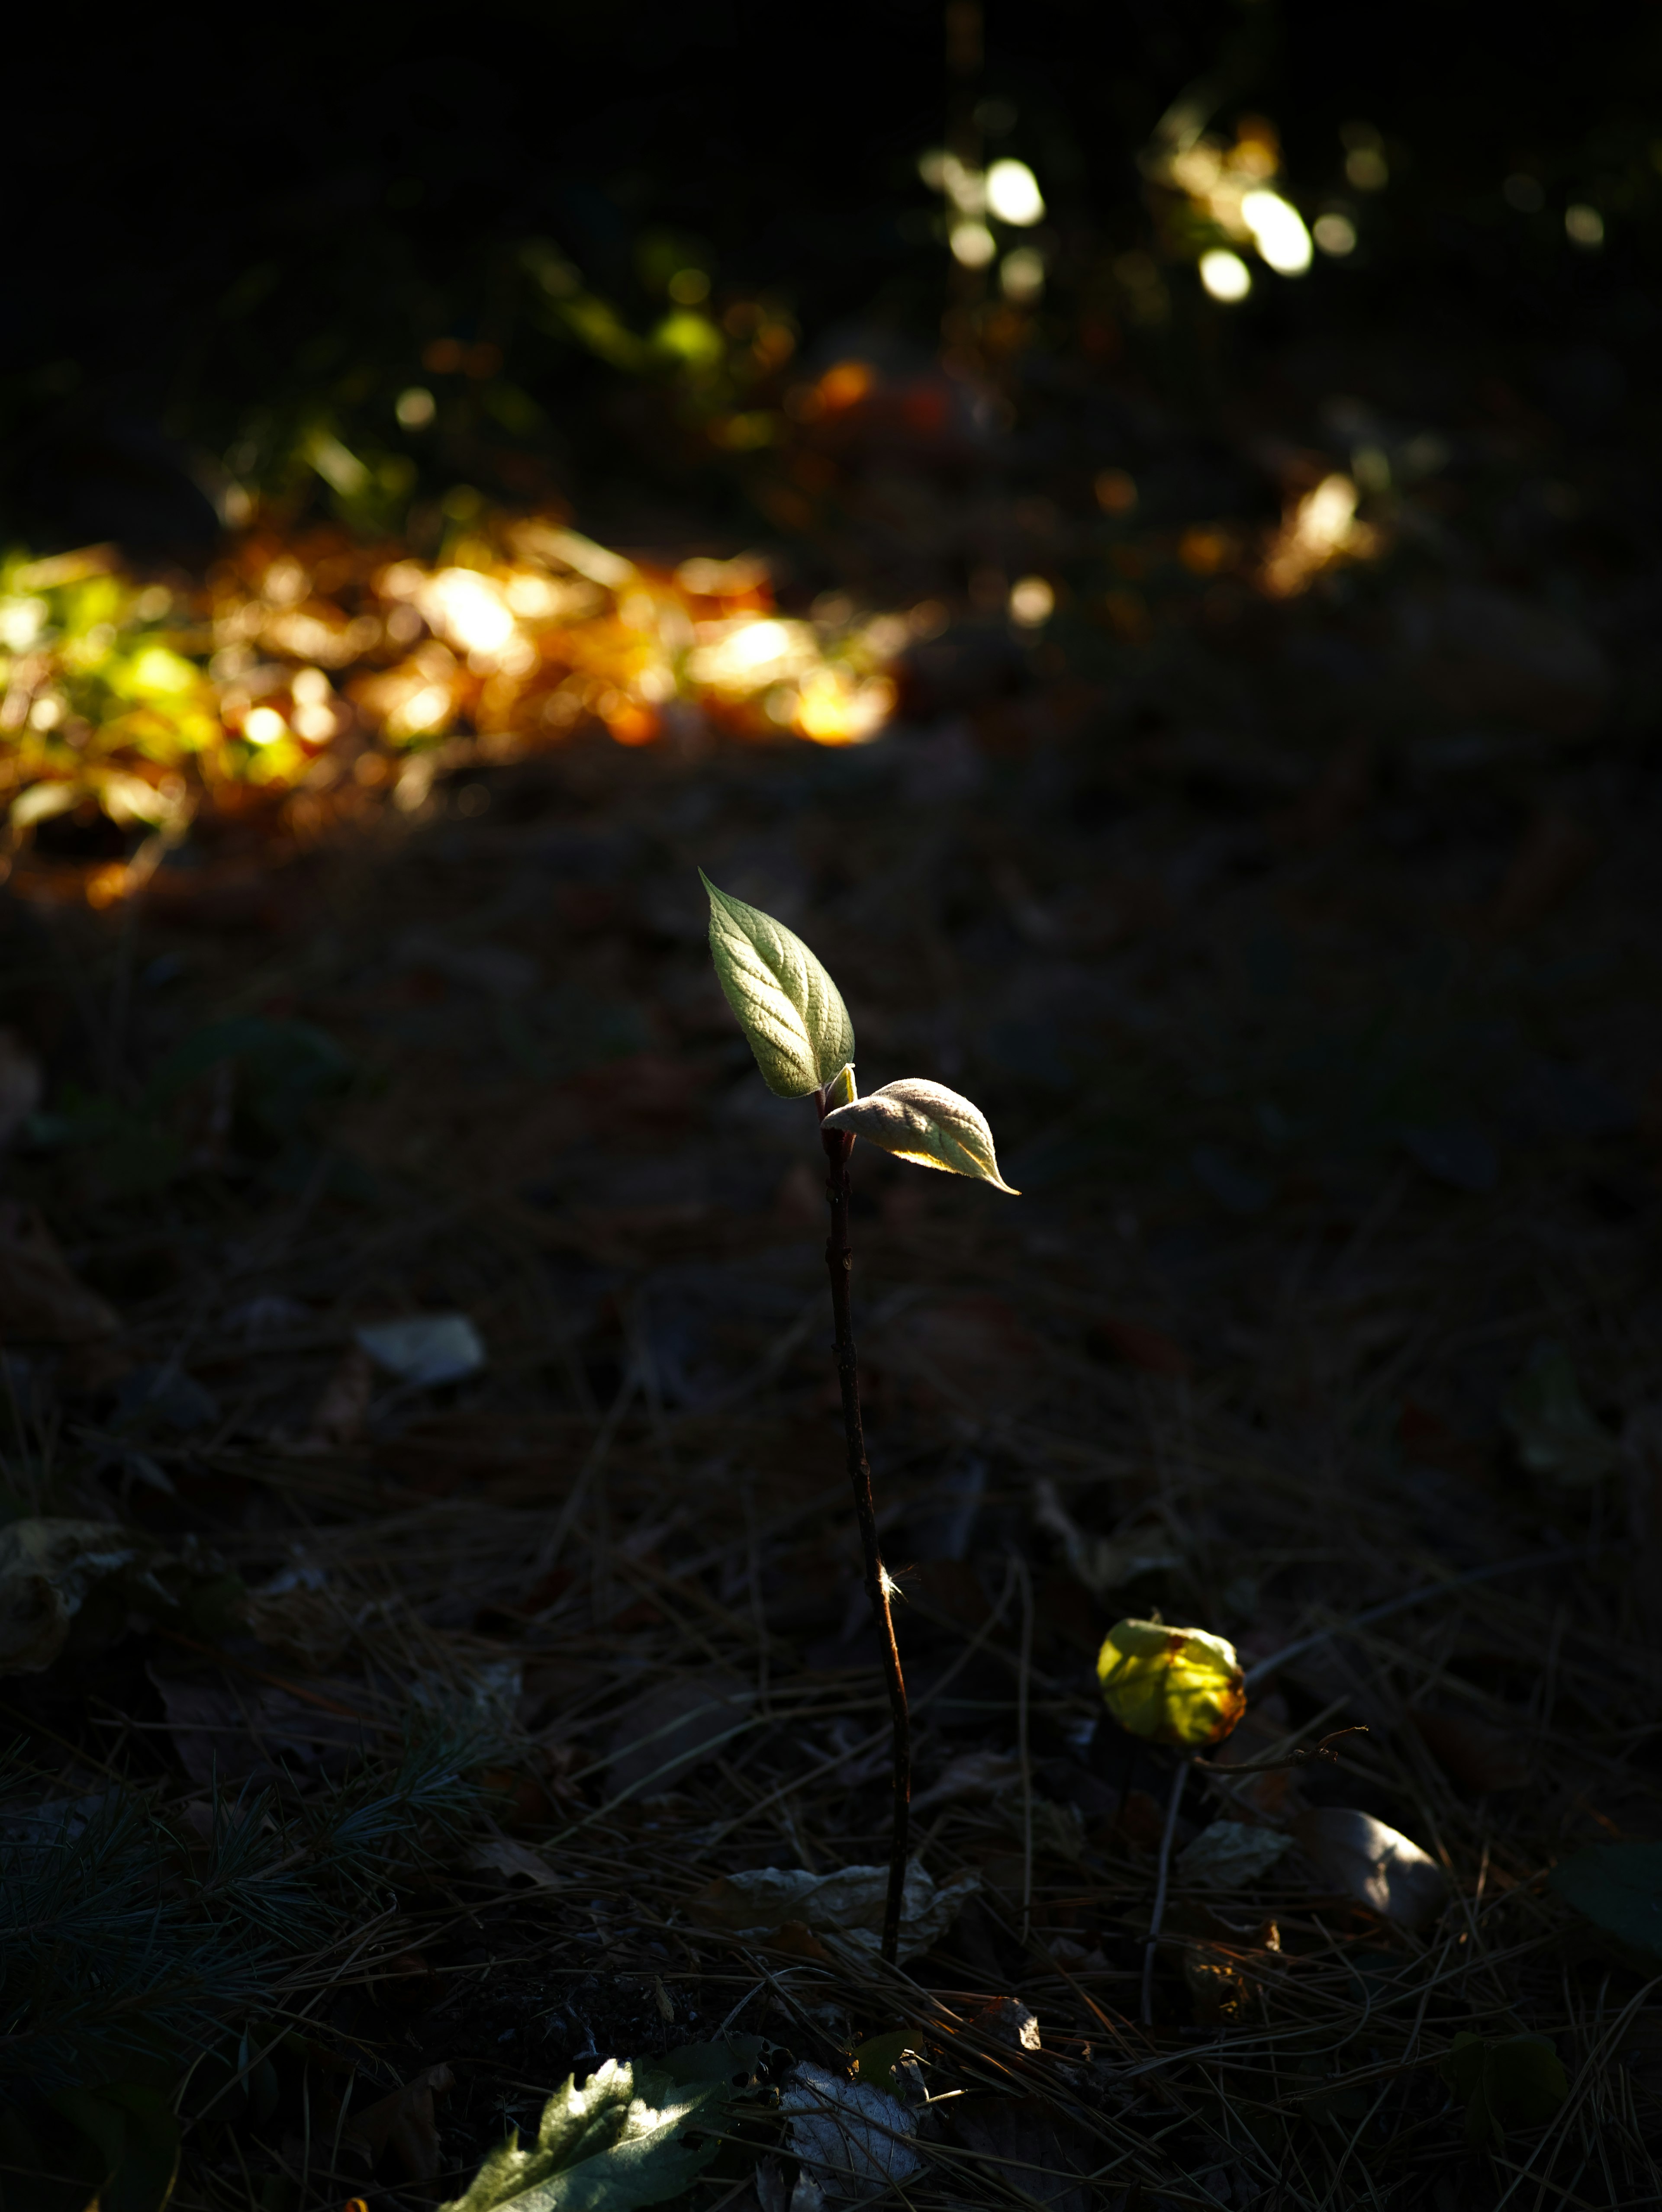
(926, 1123)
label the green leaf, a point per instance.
(1619, 1888)
(618, 2141)
(790, 1011)
(926, 1123)
(732, 2064)
(1177, 1685)
(876, 2059)
(134, 2141)
(1518, 2081)
(1556, 1432)
(143, 2180)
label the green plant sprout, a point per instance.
(794, 1020)
(1174, 1686)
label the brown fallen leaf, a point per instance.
(1337, 796)
(339, 1416)
(1141, 1820)
(1479, 652)
(972, 1774)
(404, 2124)
(1551, 857)
(51, 1569)
(42, 1300)
(972, 1351)
(1040, 2155)
(515, 1861)
(1366, 1860)
(664, 1733)
(1138, 1345)
(1428, 1439)
(1259, 1735)
(1476, 1756)
(21, 1084)
(257, 1732)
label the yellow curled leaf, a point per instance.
(1170, 1685)
(790, 1011)
(926, 1123)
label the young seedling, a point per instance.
(1177, 1685)
(793, 1016)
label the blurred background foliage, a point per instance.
(396, 266)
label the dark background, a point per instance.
(226, 224)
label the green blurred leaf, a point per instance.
(1179, 1686)
(1518, 2081)
(1618, 1886)
(618, 2141)
(155, 672)
(733, 2062)
(876, 2058)
(790, 1011)
(926, 1123)
(149, 2166)
(1557, 1434)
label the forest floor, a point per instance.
(1299, 941)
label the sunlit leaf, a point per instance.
(926, 1123)
(618, 2141)
(790, 1011)
(1518, 2081)
(1177, 1685)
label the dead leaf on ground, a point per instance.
(21, 1084)
(1228, 1854)
(424, 1349)
(1138, 1345)
(1483, 653)
(1342, 787)
(972, 1351)
(855, 2142)
(1032, 2149)
(972, 1774)
(339, 1416)
(1373, 1863)
(1102, 1563)
(659, 1738)
(48, 1570)
(515, 1861)
(1475, 1755)
(403, 2122)
(307, 1627)
(257, 1732)
(757, 1904)
(1551, 858)
(1261, 1735)
(42, 1300)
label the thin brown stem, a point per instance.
(1179, 1776)
(839, 1259)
